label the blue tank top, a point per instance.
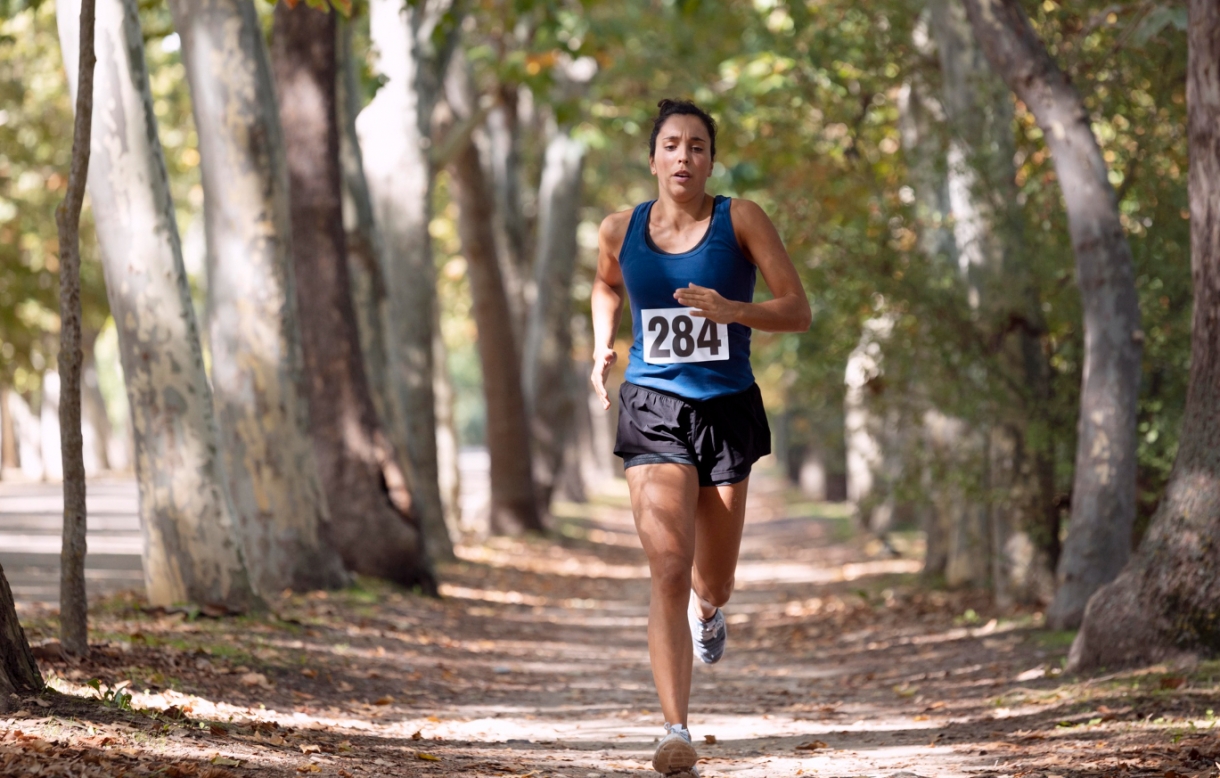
(672, 351)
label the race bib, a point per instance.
(673, 335)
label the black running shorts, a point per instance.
(722, 437)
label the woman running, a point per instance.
(691, 419)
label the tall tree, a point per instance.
(18, 670)
(1103, 491)
(192, 551)
(73, 604)
(547, 354)
(414, 42)
(370, 507)
(256, 355)
(986, 222)
(366, 266)
(1165, 602)
(514, 506)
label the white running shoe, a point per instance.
(708, 637)
(675, 756)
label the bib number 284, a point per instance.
(673, 335)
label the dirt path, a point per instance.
(535, 664)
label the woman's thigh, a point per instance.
(719, 521)
(664, 498)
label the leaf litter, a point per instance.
(534, 663)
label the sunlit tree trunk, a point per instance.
(191, 547)
(1103, 491)
(10, 457)
(502, 152)
(395, 135)
(367, 270)
(256, 354)
(986, 227)
(18, 670)
(370, 508)
(547, 353)
(1165, 602)
(73, 605)
(513, 506)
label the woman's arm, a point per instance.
(788, 311)
(607, 300)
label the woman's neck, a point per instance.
(679, 214)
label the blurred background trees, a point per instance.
(940, 383)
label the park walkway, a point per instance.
(534, 664)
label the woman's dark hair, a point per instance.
(670, 108)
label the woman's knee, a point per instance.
(672, 574)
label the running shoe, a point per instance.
(675, 756)
(709, 636)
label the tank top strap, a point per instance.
(723, 223)
(636, 227)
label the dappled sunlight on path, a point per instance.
(534, 663)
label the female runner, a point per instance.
(691, 420)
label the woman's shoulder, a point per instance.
(613, 230)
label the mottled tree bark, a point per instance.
(73, 605)
(547, 366)
(18, 670)
(256, 358)
(1103, 491)
(370, 508)
(395, 133)
(514, 507)
(191, 548)
(982, 197)
(366, 265)
(1167, 600)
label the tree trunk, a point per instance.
(191, 547)
(449, 475)
(10, 457)
(18, 670)
(1103, 491)
(982, 197)
(395, 133)
(1165, 602)
(256, 357)
(370, 508)
(547, 365)
(514, 507)
(366, 268)
(504, 156)
(73, 605)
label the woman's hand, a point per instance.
(603, 360)
(708, 304)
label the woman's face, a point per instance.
(682, 161)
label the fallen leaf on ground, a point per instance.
(812, 745)
(224, 761)
(427, 757)
(310, 748)
(709, 739)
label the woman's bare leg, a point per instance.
(663, 499)
(719, 520)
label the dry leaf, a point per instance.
(224, 761)
(1173, 682)
(309, 768)
(255, 679)
(309, 672)
(812, 745)
(276, 740)
(310, 748)
(427, 757)
(709, 739)
(386, 700)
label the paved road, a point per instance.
(31, 525)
